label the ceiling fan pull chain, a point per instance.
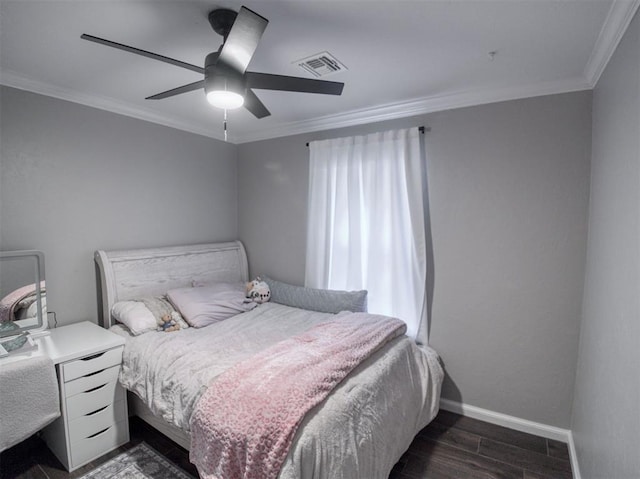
(224, 124)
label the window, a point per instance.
(366, 222)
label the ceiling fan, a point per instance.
(227, 83)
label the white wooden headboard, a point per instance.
(130, 274)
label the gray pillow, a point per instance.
(322, 300)
(205, 305)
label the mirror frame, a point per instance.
(39, 277)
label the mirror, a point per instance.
(22, 292)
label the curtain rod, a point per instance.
(421, 129)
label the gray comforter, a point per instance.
(359, 431)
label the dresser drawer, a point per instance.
(84, 426)
(92, 400)
(81, 367)
(89, 448)
(91, 381)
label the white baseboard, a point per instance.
(512, 422)
(575, 468)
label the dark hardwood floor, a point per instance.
(453, 446)
(450, 447)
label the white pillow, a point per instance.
(135, 316)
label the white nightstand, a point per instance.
(93, 404)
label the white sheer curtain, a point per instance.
(366, 222)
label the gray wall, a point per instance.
(75, 179)
(508, 189)
(509, 194)
(606, 415)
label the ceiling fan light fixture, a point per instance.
(225, 99)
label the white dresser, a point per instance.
(93, 404)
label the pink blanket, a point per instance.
(243, 425)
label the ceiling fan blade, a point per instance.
(177, 91)
(243, 39)
(254, 105)
(267, 81)
(144, 53)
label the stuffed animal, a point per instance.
(258, 291)
(167, 324)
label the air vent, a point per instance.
(321, 64)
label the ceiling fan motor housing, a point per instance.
(222, 78)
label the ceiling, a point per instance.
(402, 57)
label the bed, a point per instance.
(359, 430)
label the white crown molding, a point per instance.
(419, 106)
(620, 15)
(390, 111)
(14, 80)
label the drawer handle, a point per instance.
(89, 358)
(98, 433)
(94, 389)
(93, 374)
(96, 411)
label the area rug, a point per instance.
(139, 462)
